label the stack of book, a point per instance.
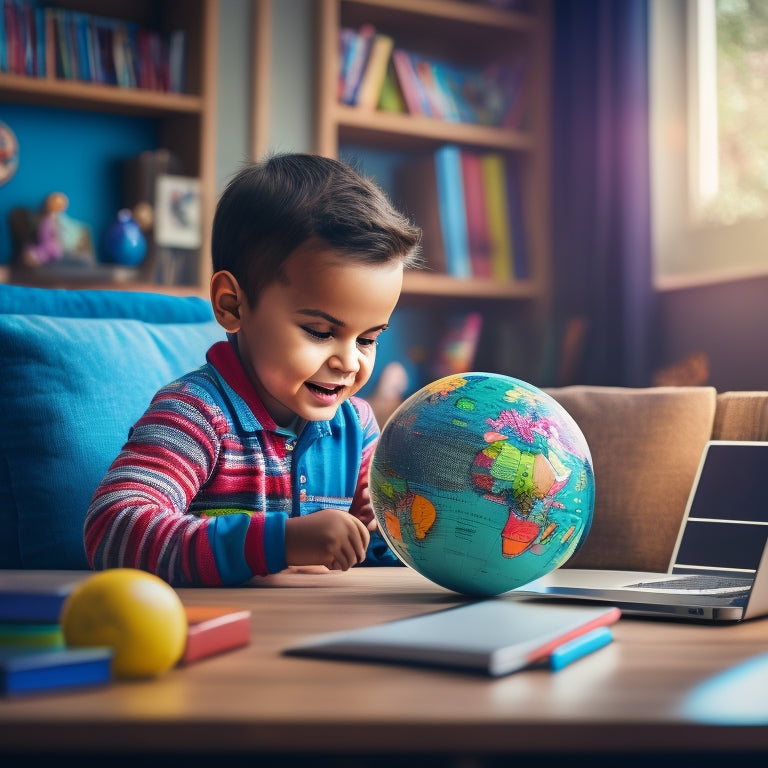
(43, 42)
(34, 657)
(469, 205)
(375, 73)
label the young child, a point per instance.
(259, 459)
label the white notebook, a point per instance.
(493, 637)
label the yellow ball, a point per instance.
(133, 612)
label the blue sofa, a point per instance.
(77, 368)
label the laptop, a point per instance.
(719, 566)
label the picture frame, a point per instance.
(177, 212)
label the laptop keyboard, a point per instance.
(705, 585)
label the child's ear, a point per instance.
(226, 298)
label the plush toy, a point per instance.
(58, 236)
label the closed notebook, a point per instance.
(493, 637)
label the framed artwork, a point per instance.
(177, 212)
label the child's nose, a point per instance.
(346, 358)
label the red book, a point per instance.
(413, 94)
(213, 630)
(477, 218)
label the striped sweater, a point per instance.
(200, 493)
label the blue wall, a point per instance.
(78, 153)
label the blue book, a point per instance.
(357, 59)
(27, 671)
(40, 42)
(453, 217)
(28, 596)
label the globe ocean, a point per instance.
(482, 483)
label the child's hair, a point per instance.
(271, 207)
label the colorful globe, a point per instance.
(482, 483)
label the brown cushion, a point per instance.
(645, 445)
(741, 416)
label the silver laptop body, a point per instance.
(719, 566)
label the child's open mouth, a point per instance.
(324, 390)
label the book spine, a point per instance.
(3, 39)
(497, 207)
(345, 39)
(409, 83)
(11, 38)
(391, 97)
(80, 27)
(429, 88)
(40, 43)
(375, 72)
(446, 96)
(177, 60)
(450, 190)
(357, 57)
(477, 220)
(29, 40)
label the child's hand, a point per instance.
(329, 537)
(361, 508)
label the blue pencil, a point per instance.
(579, 647)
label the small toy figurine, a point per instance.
(58, 236)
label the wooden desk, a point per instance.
(631, 697)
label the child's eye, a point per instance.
(317, 334)
(364, 342)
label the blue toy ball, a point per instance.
(482, 483)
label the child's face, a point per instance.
(310, 341)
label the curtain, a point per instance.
(602, 268)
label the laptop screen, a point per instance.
(726, 526)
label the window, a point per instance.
(709, 139)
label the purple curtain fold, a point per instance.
(601, 185)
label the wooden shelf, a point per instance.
(387, 129)
(186, 122)
(51, 91)
(423, 283)
(431, 21)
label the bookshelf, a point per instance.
(182, 122)
(465, 34)
(469, 33)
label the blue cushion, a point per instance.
(72, 385)
(58, 302)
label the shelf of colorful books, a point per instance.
(445, 103)
(119, 84)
